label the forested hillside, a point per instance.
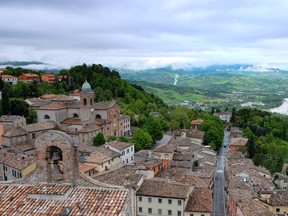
(107, 85)
(267, 133)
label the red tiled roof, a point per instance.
(120, 145)
(196, 122)
(240, 141)
(101, 155)
(17, 161)
(48, 96)
(7, 76)
(200, 200)
(15, 200)
(158, 187)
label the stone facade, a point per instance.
(57, 157)
(84, 119)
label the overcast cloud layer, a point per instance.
(143, 33)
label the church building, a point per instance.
(84, 119)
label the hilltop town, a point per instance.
(53, 166)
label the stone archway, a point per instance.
(57, 157)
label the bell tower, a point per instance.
(56, 157)
(86, 103)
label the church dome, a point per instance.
(86, 85)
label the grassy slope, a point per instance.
(214, 87)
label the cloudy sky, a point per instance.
(145, 33)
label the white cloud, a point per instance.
(144, 33)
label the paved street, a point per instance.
(218, 193)
(165, 139)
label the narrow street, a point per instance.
(219, 197)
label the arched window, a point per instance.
(85, 101)
(46, 117)
(98, 116)
(91, 101)
(54, 157)
(75, 115)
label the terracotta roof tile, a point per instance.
(124, 175)
(5, 76)
(48, 96)
(15, 131)
(48, 125)
(279, 198)
(119, 145)
(72, 121)
(167, 148)
(52, 106)
(195, 134)
(163, 188)
(17, 161)
(81, 201)
(239, 141)
(253, 207)
(197, 122)
(101, 155)
(200, 200)
(63, 98)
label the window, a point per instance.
(149, 210)
(132, 148)
(169, 201)
(140, 199)
(191, 214)
(5, 168)
(179, 213)
(159, 211)
(85, 101)
(127, 151)
(278, 210)
(140, 209)
(149, 199)
(169, 212)
(131, 158)
(127, 160)
(202, 215)
(46, 117)
(123, 152)
(179, 202)
(159, 200)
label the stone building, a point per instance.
(125, 149)
(57, 187)
(84, 119)
(14, 166)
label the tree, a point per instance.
(251, 148)
(154, 128)
(123, 139)
(111, 138)
(99, 140)
(213, 138)
(5, 101)
(233, 117)
(142, 139)
(19, 106)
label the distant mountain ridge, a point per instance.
(22, 63)
(207, 69)
(32, 65)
